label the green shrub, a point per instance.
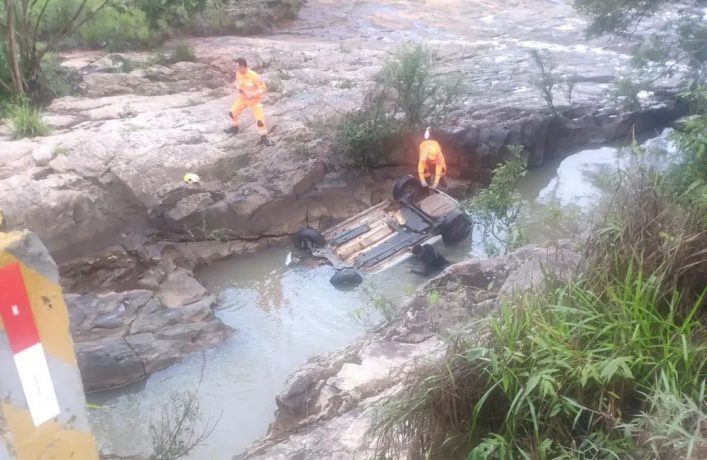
(406, 94)
(564, 375)
(4, 75)
(688, 179)
(496, 208)
(26, 120)
(275, 84)
(57, 80)
(365, 135)
(57, 14)
(119, 30)
(183, 52)
(419, 95)
(610, 365)
(215, 19)
(545, 77)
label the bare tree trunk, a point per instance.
(12, 52)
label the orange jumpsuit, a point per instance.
(250, 87)
(431, 157)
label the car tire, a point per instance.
(405, 187)
(456, 227)
(307, 239)
(346, 278)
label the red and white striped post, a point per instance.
(26, 346)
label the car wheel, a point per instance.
(348, 277)
(456, 227)
(406, 187)
(308, 239)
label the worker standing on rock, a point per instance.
(431, 158)
(250, 88)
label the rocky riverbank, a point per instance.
(330, 403)
(110, 172)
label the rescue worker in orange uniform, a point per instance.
(431, 158)
(250, 88)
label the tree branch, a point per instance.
(5, 86)
(71, 27)
(35, 36)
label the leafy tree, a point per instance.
(22, 50)
(27, 36)
(170, 11)
(673, 46)
(676, 42)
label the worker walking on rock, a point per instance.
(431, 158)
(250, 88)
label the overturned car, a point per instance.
(382, 235)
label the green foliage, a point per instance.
(419, 95)
(689, 178)
(545, 78)
(617, 15)
(675, 421)
(377, 306)
(406, 94)
(57, 80)
(346, 84)
(183, 52)
(275, 83)
(612, 364)
(169, 11)
(496, 208)
(26, 120)
(575, 362)
(118, 29)
(563, 376)
(626, 89)
(365, 134)
(46, 26)
(4, 74)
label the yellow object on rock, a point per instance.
(190, 178)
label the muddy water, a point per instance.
(283, 316)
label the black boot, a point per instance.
(231, 130)
(265, 141)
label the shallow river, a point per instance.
(283, 316)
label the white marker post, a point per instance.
(26, 346)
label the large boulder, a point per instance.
(135, 312)
(123, 337)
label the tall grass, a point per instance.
(610, 365)
(25, 120)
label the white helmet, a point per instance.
(190, 178)
(427, 133)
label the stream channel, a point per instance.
(284, 315)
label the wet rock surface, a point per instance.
(329, 403)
